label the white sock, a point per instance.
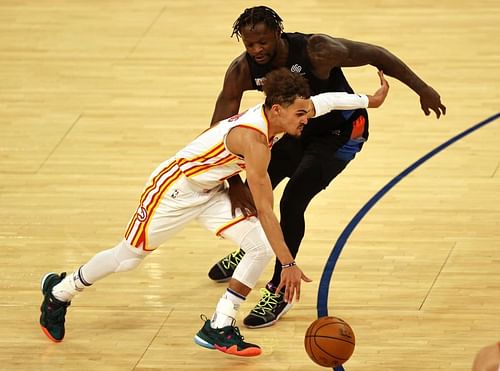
(235, 298)
(66, 289)
(227, 309)
(79, 280)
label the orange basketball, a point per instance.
(329, 341)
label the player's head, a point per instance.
(287, 100)
(260, 29)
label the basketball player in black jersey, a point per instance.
(327, 144)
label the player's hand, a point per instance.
(378, 98)
(291, 278)
(488, 358)
(430, 100)
(240, 197)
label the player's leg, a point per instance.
(285, 157)
(59, 289)
(150, 226)
(220, 332)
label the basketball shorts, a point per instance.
(171, 200)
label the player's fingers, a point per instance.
(280, 287)
(305, 278)
(437, 111)
(246, 211)
(287, 293)
(443, 108)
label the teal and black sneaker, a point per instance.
(227, 340)
(53, 311)
(223, 270)
(268, 311)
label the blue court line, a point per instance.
(322, 304)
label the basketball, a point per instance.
(329, 341)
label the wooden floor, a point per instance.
(94, 94)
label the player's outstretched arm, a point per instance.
(326, 52)
(255, 149)
(326, 102)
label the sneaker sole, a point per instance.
(268, 324)
(198, 340)
(233, 350)
(51, 338)
(222, 280)
(249, 352)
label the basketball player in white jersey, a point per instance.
(191, 185)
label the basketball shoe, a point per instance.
(269, 310)
(227, 340)
(223, 270)
(53, 311)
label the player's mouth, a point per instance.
(261, 58)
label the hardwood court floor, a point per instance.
(94, 94)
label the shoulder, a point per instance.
(246, 139)
(251, 124)
(238, 73)
(238, 67)
(326, 52)
(321, 45)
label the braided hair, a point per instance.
(258, 14)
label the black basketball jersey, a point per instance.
(298, 61)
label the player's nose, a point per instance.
(256, 50)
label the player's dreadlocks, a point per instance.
(259, 14)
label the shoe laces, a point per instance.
(229, 332)
(233, 259)
(268, 302)
(233, 332)
(56, 310)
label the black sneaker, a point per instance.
(223, 270)
(53, 310)
(227, 340)
(268, 311)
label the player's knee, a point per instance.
(256, 244)
(128, 265)
(127, 257)
(258, 254)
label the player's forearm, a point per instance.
(273, 232)
(326, 102)
(395, 67)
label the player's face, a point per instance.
(294, 117)
(260, 42)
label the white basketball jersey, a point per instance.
(207, 161)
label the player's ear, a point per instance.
(276, 109)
